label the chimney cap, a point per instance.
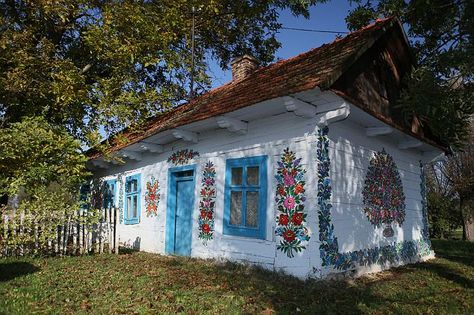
(246, 56)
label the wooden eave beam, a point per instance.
(151, 147)
(299, 108)
(341, 112)
(185, 135)
(232, 124)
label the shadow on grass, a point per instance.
(282, 293)
(446, 273)
(457, 251)
(9, 271)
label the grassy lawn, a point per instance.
(147, 283)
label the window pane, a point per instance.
(128, 186)
(252, 175)
(129, 207)
(134, 185)
(235, 207)
(252, 209)
(236, 176)
(135, 211)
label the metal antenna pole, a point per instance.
(192, 58)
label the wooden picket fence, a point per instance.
(82, 233)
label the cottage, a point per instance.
(304, 166)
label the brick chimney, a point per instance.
(243, 67)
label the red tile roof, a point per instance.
(319, 67)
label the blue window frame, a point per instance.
(109, 193)
(132, 200)
(245, 197)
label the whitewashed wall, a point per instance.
(350, 152)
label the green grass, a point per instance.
(147, 283)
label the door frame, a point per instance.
(171, 205)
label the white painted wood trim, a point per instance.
(151, 147)
(333, 116)
(185, 135)
(232, 124)
(299, 108)
(130, 155)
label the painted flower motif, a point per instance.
(283, 219)
(289, 236)
(329, 249)
(152, 197)
(281, 191)
(383, 195)
(289, 203)
(182, 157)
(299, 189)
(288, 180)
(205, 228)
(297, 218)
(207, 203)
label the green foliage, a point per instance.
(34, 154)
(40, 170)
(444, 215)
(147, 283)
(440, 92)
(85, 65)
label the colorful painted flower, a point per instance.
(283, 219)
(207, 203)
(299, 189)
(182, 157)
(383, 195)
(329, 249)
(288, 180)
(289, 202)
(205, 228)
(281, 191)
(297, 218)
(289, 236)
(290, 198)
(152, 197)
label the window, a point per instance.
(109, 193)
(245, 198)
(132, 200)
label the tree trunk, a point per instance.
(467, 210)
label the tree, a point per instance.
(458, 169)
(444, 213)
(87, 65)
(40, 165)
(440, 89)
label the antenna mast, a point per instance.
(192, 57)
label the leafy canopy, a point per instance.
(92, 64)
(440, 89)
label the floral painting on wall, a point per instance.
(290, 198)
(207, 203)
(182, 157)
(152, 197)
(402, 251)
(383, 197)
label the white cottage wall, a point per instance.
(350, 152)
(268, 136)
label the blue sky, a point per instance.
(329, 16)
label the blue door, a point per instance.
(180, 210)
